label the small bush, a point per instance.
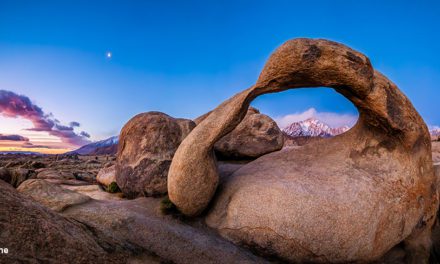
(113, 188)
(167, 207)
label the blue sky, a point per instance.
(186, 57)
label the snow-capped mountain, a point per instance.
(103, 147)
(313, 127)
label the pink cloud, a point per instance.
(14, 105)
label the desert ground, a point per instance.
(68, 186)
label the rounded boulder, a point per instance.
(146, 147)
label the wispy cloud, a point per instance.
(14, 105)
(30, 145)
(13, 138)
(332, 119)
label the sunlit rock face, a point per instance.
(362, 193)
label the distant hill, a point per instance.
(104, 147)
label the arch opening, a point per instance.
(306, 114)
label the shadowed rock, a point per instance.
(146, 147)
(35, 234)
(140, 226)
(362, 193)
(256, 135)
(5, 175)
(19, 175)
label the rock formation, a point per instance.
(256, 135)
(364, 192)
(146, 147)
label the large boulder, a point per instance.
(146, 147)
(35, 234)
(350, 198)
(256, 135)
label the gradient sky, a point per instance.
(186, 57)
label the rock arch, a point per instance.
(385, 160)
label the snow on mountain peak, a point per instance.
(313, 127)
(106, 146)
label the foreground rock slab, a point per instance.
(36, 234)
(361, 194)
(137, 229)
(139, 224)
(51, 195)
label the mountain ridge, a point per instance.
(313, 127)
(107, 146)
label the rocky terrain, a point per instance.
(223, 189)
(109, 221)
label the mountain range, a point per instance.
(107, 146)
(313, 127)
